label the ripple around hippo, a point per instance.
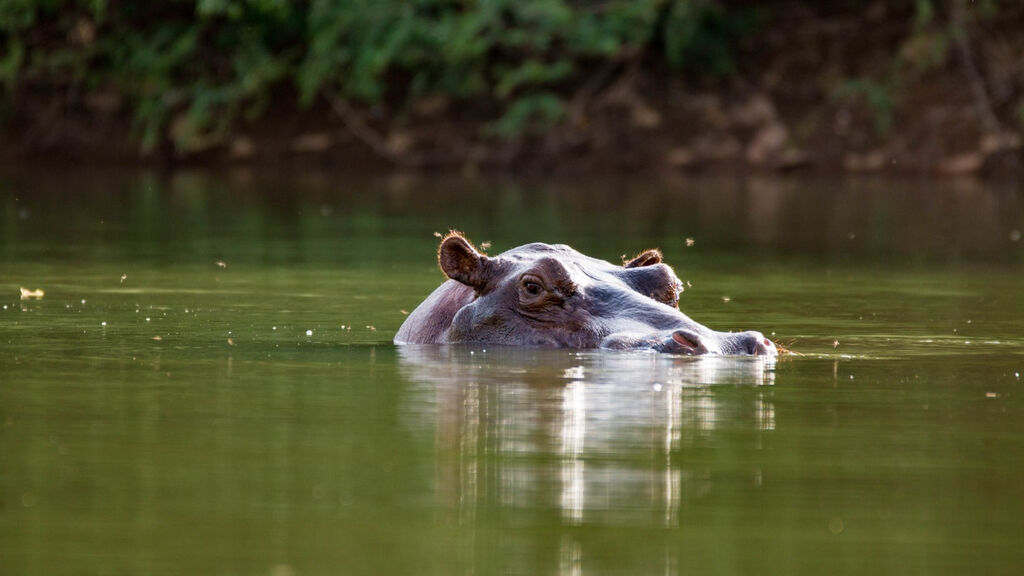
(553, 296)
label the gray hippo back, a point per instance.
(551, 295)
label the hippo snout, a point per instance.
(755, 344)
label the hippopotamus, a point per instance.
(551, 295)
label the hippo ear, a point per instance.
(461, 262)
(645, 258)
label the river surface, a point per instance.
(208, 384)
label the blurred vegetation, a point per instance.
(188, 74)
(190, 70)
(937, 33)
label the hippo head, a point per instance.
(551, 295)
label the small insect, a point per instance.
(123, 278)
(437, 234)
(221, 264)
(835, 344)
(690, 242)
(485, 245)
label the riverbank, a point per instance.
(862, 90)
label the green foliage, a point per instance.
(530, 114)
(10, 64)
(191, 69)
(878, 98)
(699, 35)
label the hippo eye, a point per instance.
(531, 289)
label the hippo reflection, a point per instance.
(551, 295)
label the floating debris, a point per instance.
(690, 242)
(485, 245)
(123, 278)
(404, 313)
(835, 344)
(1015, 235)
(37, 294)
(437, 235)
(991, 394)
(726, 299)
(231, 342)
(157, 338)
(783, 349)
(221, 264)
(371, 328)
(309, 332)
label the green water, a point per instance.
(208, 385)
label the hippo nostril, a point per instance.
(755, 344)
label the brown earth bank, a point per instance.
(817, 92)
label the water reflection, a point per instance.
(590, 438)
(302, 217)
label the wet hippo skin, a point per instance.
(551, 295)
